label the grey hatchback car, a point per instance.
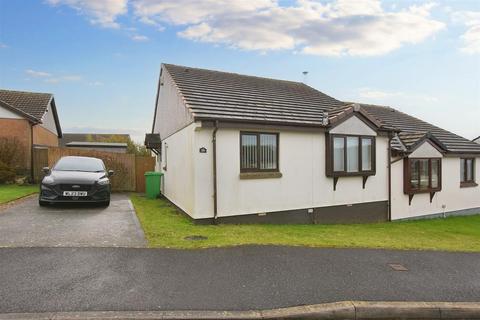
(76, 179)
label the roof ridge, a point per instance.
(239, 74)
(30, 92)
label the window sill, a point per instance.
(259, 175)
(352, 174)
(468, 184)
(422, 191)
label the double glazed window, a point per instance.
(467, 171)
(258, 152)
(423, 175)
(352, 155)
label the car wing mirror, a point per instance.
(46, 170)
(110, 173)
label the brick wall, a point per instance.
(44, 137)
(21, 130)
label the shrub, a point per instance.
(12, 153)
(7, 173)
(132, 147)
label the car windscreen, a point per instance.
(79, 164)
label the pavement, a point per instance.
(26, 224)
(239, 278)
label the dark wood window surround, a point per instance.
(330, 172)
(407, 178)
(248, 172)
(466, 181)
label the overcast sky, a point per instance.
(101, 59)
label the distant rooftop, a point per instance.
(91, 137)
(96, 144)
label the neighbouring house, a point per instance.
(31, 119)
(243, 149)
(477, 140)
(117, 147)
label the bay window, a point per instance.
(350, 155)
(258, 152)
(422, 175)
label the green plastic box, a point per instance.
(152, 184)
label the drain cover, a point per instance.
(195, 238)
(397, 267)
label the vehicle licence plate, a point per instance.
(75, 193)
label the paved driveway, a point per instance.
(29, 225)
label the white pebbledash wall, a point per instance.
(7, 114)
(189, 176)
(48, 120)
(178, 168)
(188, 180)
(450, 199)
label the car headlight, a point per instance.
(48, 180)
(103, 182)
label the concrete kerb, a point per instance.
(355, 310)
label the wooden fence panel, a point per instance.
(122, 163)
(142, 165)
(40, 160)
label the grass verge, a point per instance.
(10, 192)
(165, 227)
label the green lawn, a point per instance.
(9, 192)
(165, 227)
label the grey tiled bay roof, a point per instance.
(413, 129)
(34, 104)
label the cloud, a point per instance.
(38, 74)
(63, 79)
(471, 37)
(342, 27)
(71, 78)
(193, 11)
(373, 94)
(95, 83)
(3, 45)
(139, 38)
(99, 12)
(376, 96)
(50, 78)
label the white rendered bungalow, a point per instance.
(243, 149)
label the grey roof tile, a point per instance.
(413, 129)
(34, 104)
(221, 95)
